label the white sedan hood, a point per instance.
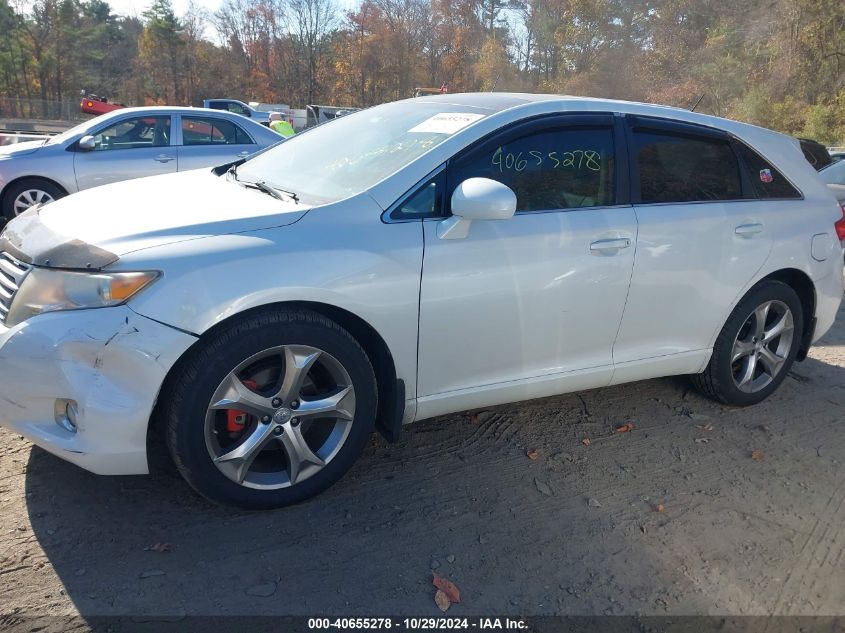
(117, 219)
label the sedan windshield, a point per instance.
(348, 155)
(77, 129)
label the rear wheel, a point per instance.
(272, 410)
(25, 194)
(755, 348)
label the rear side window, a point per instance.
(767, 181)
(556, 168)
(680, 168)
(211, 131)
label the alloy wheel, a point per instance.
(279, 417)
(762, 346)
(29, 198)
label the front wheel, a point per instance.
(271, 410)
(27, 193)
(755, 348)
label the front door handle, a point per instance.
(244, 154)
(602, 246)
(747, 230)
(165, 158)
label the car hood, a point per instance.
(93, 228)
(20, 149)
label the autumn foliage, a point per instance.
(779, 63)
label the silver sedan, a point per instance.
(124, 144)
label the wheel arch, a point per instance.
(391, 391)
(804, 287)
(12, 183)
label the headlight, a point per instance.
(49, 289)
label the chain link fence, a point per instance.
(40, 109)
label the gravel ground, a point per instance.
(699, 509)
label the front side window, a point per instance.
(562, 168)
(211, 131)
(138, 132)
(680, 168)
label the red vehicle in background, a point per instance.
(92, 104)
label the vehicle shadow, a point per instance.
(510, 503)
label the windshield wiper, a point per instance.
(278, 194)
(228, 168)
(263, 186)
(290, 194)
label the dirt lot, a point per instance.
(673, 517)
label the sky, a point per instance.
(137, 7)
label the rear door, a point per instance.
(133, 147)
(206, 141)
(702, 238)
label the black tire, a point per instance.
(15, 190)
(717, 380)
(200, 373)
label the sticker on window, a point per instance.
(446, 123)
(766, 176)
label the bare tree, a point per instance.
(312, 21)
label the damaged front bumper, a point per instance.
(111, 362)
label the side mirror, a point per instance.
(477, 199)
(86, 143)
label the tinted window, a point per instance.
(209, 131)
(685, 169)
(564, 168)
(148, 131)
(767, 181)
(815, 153)
(424, 202)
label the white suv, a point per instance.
(407, 261)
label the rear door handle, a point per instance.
(244, 154)
(164, 158)
(747, 230)
(602, 246)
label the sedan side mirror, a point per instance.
(87, 143)
(477, 199)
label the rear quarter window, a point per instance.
(768, 182)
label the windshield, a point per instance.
(834, 174)
(67, 134)
(350, 154)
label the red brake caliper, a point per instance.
(236, 420)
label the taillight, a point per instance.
(840, 225)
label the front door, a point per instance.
(131, 148)
(519, 307)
